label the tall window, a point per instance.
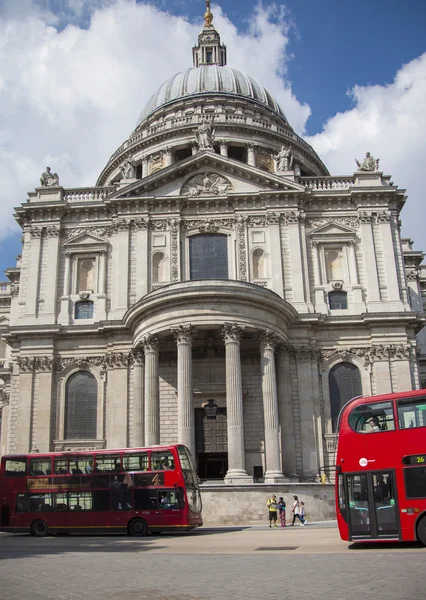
(81, 403)
(86, 274)
(334, 264)
(158, 268)
(208, 257)
(338, 300)
(84, 310)
(345, 383)
(258, 264)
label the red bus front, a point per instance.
(133, 491)
(381, 468)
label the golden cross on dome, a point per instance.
(208, 17)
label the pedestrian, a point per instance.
(302, 514)
(272, 510)
(295, 509)
(281, 509)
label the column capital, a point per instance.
(184, 334)
(137, 356)
(268, 340)
(150, 343)
(232, 332)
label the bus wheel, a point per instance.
(39, 529)
(421, 531)
(138, 527)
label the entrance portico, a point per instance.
(237, 326)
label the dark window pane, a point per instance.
(84, 310)
(345, 383)
(415, 482)
(338, 300)
(208, 257)
(81, 406)
(145, 499)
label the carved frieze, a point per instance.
(371, 354)
(100, 231)
(174, 224)
(242, 246)
(120, 225)
(4, 398)
(320, 222)
(207, 184)
(140, 224)
(158, 225)
(36, 232)
(207, 225)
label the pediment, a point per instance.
(223, 176)
(4, 321)
(332, 229)
(84, 239)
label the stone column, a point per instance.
(251, 157)
(194, 148)
(152, 396)
(64, 316)
(168, 157)
(138, 399)
(369, 256)
(186, 425)
(50, 290)
(285, 410)
(234, 406)
(145, 165)
(223, 148)
(268, 342)
(120, 268)
(101, 308)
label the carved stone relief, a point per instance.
(209, 184)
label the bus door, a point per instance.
(372, 505)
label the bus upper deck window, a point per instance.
(16, 467)
(374, 417)
(412, 413)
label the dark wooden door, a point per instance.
(211, 434)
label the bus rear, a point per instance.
(381, 468)
(134, 491)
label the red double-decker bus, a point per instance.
(381, 468)
(138, 490)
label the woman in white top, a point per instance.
(295, 509)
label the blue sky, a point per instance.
(72, 86)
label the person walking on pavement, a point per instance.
(295, 509)
(281, 509)
(302, 514)
(272, 509)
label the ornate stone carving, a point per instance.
(184, 333)
(383, 217)
(337, 286)
(127, 169)
(158, 225)
(140, 224)
(100, 231)
(175, 231)
(137, 356)
(232, 332)
(205, 135)
(268, 339)
(120, 225)
(49, 179)
(53, 231)
(150, 343)
(370, 354)
(365, 217)
(118, 360)
(26, 364)
(5, 302)
(291, 218)
(242, 246)
(368, 164)
(36, 232)
(208, 226)
(84, 295)
(209, 184)
(320, 222)
(284, 159)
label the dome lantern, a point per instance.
(209, 50)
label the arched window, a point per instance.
(338, 300)
(334, 264)
(258, 264)
(86, 274)
(158, 268)
(208, 256)
(345, 383)
(81, 404)
(84, 310)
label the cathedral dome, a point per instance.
(210, 80)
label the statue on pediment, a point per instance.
(368, 164)
(49, 179)
(284, 159)
(127, 169)
(205, 135)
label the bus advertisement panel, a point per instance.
(381, 468)
(137, 490)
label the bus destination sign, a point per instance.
(415, 459)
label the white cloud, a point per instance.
(71, 95)
(390, 122)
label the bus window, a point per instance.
(40, 502)
(145, 499)
(60, 501)
(81, 464)
(168, 499)
(15, 468)
(20, 503)
(367, 418)
(108, 463)
(40, 466)
(162, 461)
(61, 466)
(135, 462)
(415, 482)
(412, 413)
(80, 501)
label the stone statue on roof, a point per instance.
(205, 135)
(49, 179)
(284, 159)
(369, 163)
(127, 169)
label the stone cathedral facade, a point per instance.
(217, 287)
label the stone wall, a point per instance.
(247, 505)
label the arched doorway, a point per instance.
(345, 383)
